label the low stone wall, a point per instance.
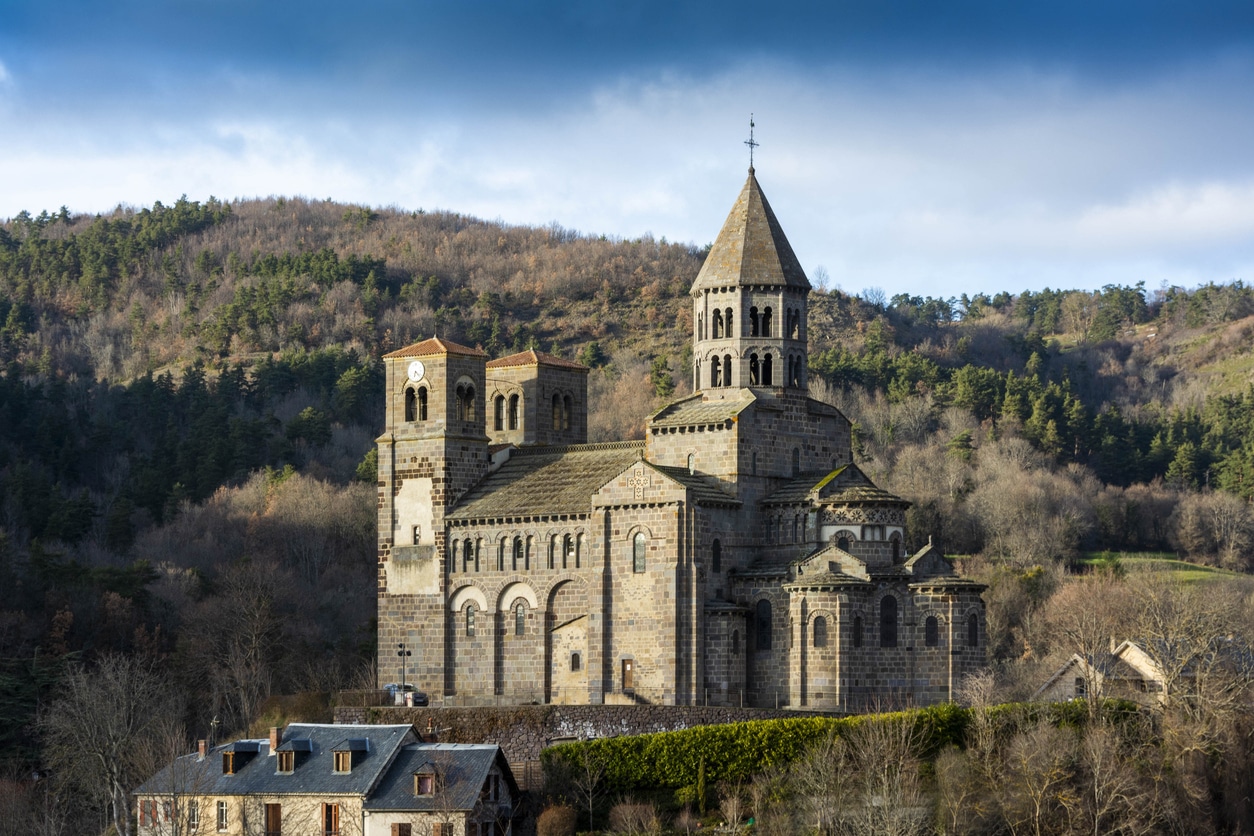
(522, 731)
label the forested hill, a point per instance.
(190, 393)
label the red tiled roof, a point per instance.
(532, 357)
(435, 345)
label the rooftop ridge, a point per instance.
(435, 346)
(540, 450)
(531, 357)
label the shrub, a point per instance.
(557, 821)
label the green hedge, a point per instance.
(737, 751)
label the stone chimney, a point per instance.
(276, 737)
(202, 747)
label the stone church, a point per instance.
(736, 555)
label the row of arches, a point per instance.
(763, 628)
(761, 371)
(758, 323)
(516, 553)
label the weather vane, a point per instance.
(751, 143)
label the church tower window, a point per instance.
(715, 373)
(766, 322)
(931, 631)
(567, 406)
(637, 553)
(422, 403)
(763, 625)
(728, 325)
(753, 322)
(498, 413)
(888, 621)
(518, 554)
(466, 549)
(717, 322)
(754, 371)
(727, 370)
(766, 370)
(411, 405)
(557, 412)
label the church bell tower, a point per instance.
(749, 305)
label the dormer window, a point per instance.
(424, 783)
(343, 761)
(228, 763)
(287, 762)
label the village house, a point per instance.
(332, 780)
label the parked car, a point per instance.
(398, 695)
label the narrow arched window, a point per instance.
(500, 555)
(716, 373)
(767, 374)
(498, 413)
(567, 407)
(467, 546)
(518, 554)
(520, 619)
(575, 662)
(422, 403)
(754, 371)
(717, 322)
(896, 549)
(513, 412)
(553, 552)
(637, 553)
(470, 620)
(766, 322)
(452, 564)
(762, 616)
(973, 630)
(578, 548)
(931, 631)
(735, 648)
(716, 555)
(527, 555)
(568, 551)
(478, 549)
(842, 543)
(888, 621)
(727, 370)
(700, 327)
(411, 405)
(692, 463)
(753, 322)
(857, 631)
(730, 332)
(557, 412)
(820, 632)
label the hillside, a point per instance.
(190, 393)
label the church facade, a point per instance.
(736, 555)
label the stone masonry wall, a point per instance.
(523, 731)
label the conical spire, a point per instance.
(751, 249)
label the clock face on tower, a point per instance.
(416, 370)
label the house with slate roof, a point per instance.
(332, 780)
(735, 555)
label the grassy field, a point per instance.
(1158, 562)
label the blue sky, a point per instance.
(920, 147)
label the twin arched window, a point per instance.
(416, 404)
(465, 402)
(562, 407)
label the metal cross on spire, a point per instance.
(751, 143)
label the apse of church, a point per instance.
(735, 555)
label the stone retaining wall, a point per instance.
(522, 731)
